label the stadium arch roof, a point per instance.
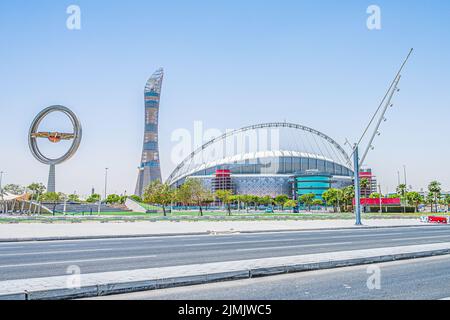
(294, 140)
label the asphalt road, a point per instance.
(419, 279)
(42, 259)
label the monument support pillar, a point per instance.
(51, 186)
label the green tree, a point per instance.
(333, 197)
(402, 190)
(196, 193)
(281, 201)
(37, 189)
(447, 201)
(435, 190)
(429, 200)
(94, 198)
(113, 199)
(266, 201)
(348, 196)
(307, 200)
(158, 193)
(256, 202)
(51, 197)
(364, 184)
(234, 199)
(246, 200)
(240, 201)
(73, 198)
(291, 204)
(415, 199)
(225, 196)
(136, 198)
(317, 203)
(183, 195)
(123, 199)
(375, 195)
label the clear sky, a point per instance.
(228, 64)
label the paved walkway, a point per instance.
(96, 229)
(127, 281)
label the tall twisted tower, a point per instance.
(150, 168)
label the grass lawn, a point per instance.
(208, 216)
(252, 215)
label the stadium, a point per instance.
(268, 160)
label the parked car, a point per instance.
(269, 210)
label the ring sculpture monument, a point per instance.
(54, 137)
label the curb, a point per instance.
(206, 233)
(155, 284)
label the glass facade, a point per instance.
(315, 184)
(281, 165)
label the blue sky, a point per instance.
(228, 64)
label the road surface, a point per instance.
(43, 259)
(419, 279)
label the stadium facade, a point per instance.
(150, 168)
(268, 160)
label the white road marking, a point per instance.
(158, 238)
(418, 238)
(54, 252)
(224, 243)
(75, 261)
(62, 245)
(308, 239)
(292, 247)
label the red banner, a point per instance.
(376, 202)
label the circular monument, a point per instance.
(54, 137)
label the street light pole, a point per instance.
(404, 171)
(381, 201)
(106, 182)
(357, 186)
(1, 191)
(1, 178)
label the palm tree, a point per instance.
(402, 189)
(435, 190)
(447, 201)
(348, 196)
(364, 186)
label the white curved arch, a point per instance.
(175, 176)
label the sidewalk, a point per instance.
(61, 231)
(100, 284)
